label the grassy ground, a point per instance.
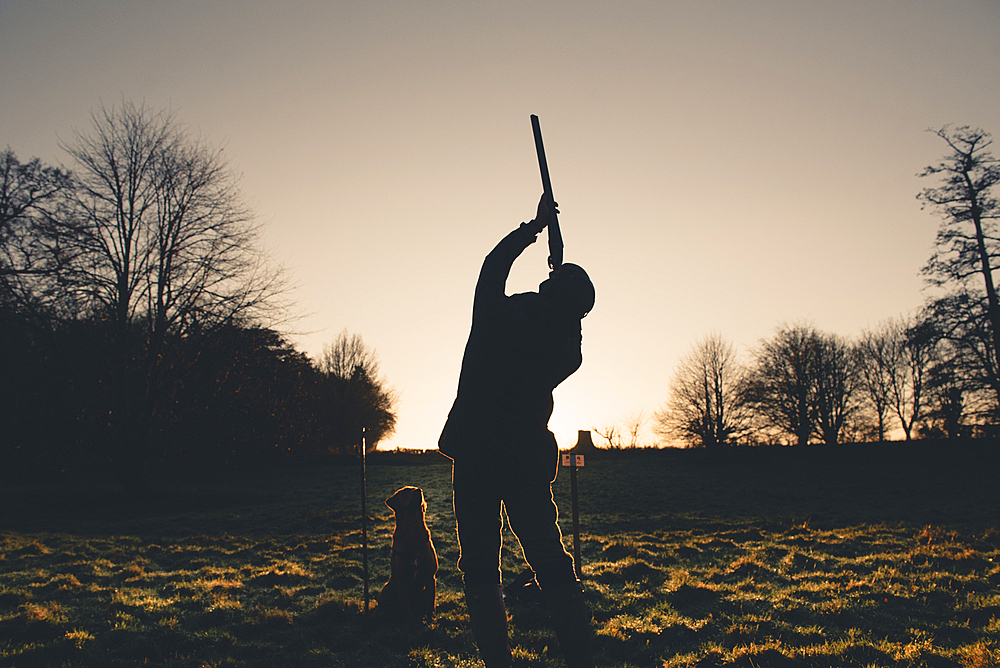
(851, 556)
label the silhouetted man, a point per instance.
(520, 348)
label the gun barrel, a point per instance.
(555, 236)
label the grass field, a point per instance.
(877, 555)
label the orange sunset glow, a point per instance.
(720, 167)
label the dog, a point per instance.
(410, 594)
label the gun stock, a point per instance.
(555, 236)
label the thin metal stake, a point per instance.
(364, 517)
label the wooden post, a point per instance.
(576, 517)
(574, 461)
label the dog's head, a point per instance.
(407, 499)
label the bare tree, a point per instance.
(707, 405)
(630, 426)
(30, 195)
(360, 397)
(783, 382)
(634, 422)
(611, 433)
(27, 190)
(877, 358)
(915, 346)
(964, 334)
(955, 405)
(163, 245)
(347, 353)
(967, 244)
(836, 385)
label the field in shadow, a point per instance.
(852, 556)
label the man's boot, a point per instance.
(488, 618)
(571, 620)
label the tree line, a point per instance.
(139, 323)
(139, 317)
(930, 374)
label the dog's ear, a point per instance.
(393, 501)
(405, 497)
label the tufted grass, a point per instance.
(858, 556)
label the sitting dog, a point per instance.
(410, 592)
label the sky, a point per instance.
(721, 166)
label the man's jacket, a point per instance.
(520, 348)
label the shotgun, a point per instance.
(555, 236)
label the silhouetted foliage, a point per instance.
(967, 246)
(894, 360)
(877, 359)
(783, 382)
(32, 402)
(917, 354)
(30, 195)
(133, 304)
(248, 399)
(958, 402)
(946, 390)
(162, 247)
(805, 383)
(837, 383)
(358, 398)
